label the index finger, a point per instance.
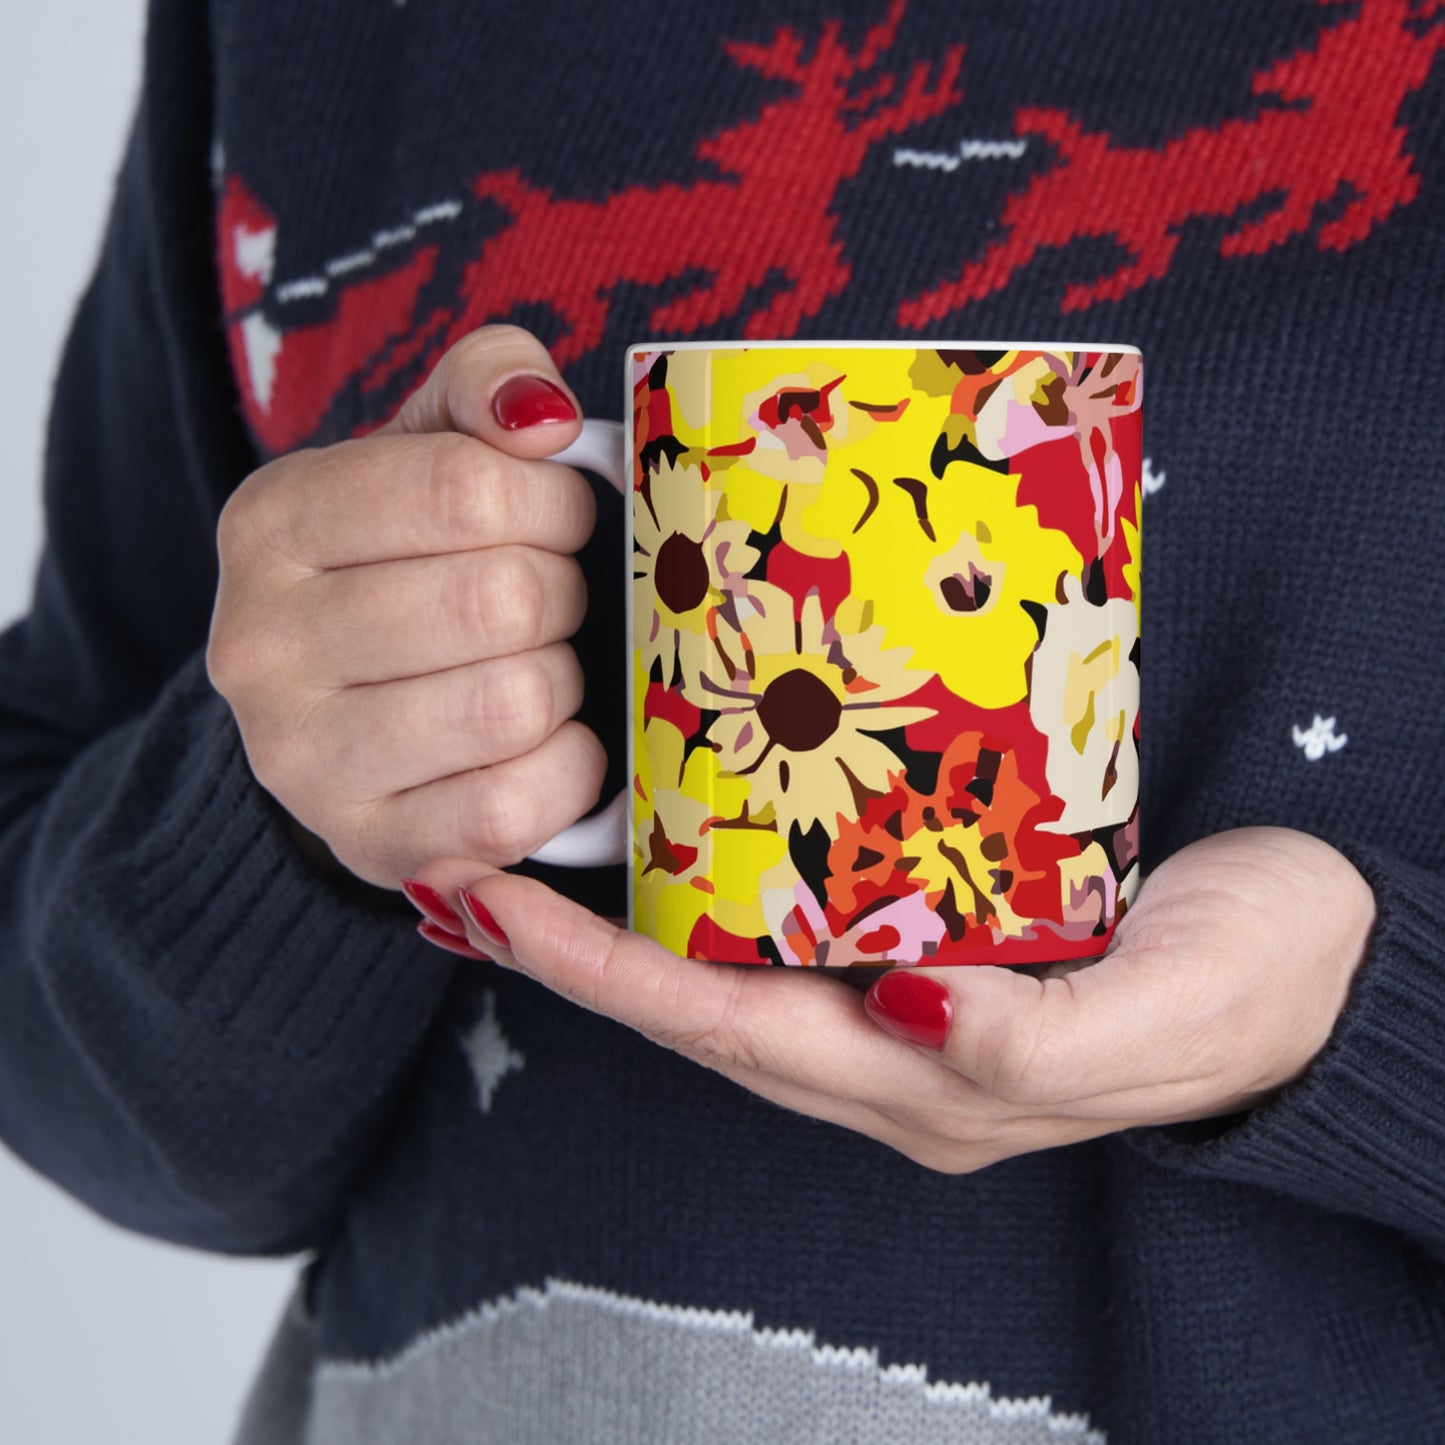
(1083, 1043)
(775, 1030)
(394, 496)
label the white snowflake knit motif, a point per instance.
(1319, 738)
(489, 1053)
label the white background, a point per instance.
(103, 1336)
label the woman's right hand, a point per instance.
(391, 622)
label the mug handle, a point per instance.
(601, 838)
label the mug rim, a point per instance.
(901, 344)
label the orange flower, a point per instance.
(968, 846)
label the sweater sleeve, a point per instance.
(201, 1036)
(1362, 1132)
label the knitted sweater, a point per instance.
(525, 1222)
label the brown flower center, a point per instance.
(799, 711)
(966, 592)
(680, 573)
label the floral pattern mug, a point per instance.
(884, 649)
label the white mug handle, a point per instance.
(602, 838)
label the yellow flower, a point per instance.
(944, 565)
(796, 701)
(843, 447)
(776, 415)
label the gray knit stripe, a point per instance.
(569, 1363)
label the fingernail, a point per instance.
(529, 401)
(482, 918)
(427, 901)
(912, 1007)
(450, 941)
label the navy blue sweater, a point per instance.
(527, 1223)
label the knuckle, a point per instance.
(465, 372)
(243, 658)
(367, 844)
(236, 658)
(239, 532)
(570, 592)
(280, 764)
(517, 706)
(959, 1138)
(947, 1157)
(505, 811)
(462, 610)
(256, 512)
(513, 600)
(341, 745)
(585, 766)
(497, 336)
(558, 663)
(500, 819)
(597, 985)
(718, 1043)
(287, 751)
(234, 525)
(454, 374)
(224, 659)
(570, 509)
(1018, 1064)
(723, 1053)
(461, 489)
(245, 508)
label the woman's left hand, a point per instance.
(1221, 984)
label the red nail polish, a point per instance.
(912, 1007)
(481, 916)
(450, 941)
(529, 401)
(432, 905)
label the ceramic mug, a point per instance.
(883, 649)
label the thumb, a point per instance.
(499, 385)
(1028, 1039)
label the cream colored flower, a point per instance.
(797, 701)
(688, 559)
(1085, 699)
(1075, 392)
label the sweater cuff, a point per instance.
(214, 904)
(1362, 1132)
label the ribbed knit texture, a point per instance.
(1362, 1132)
(207, 1037)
